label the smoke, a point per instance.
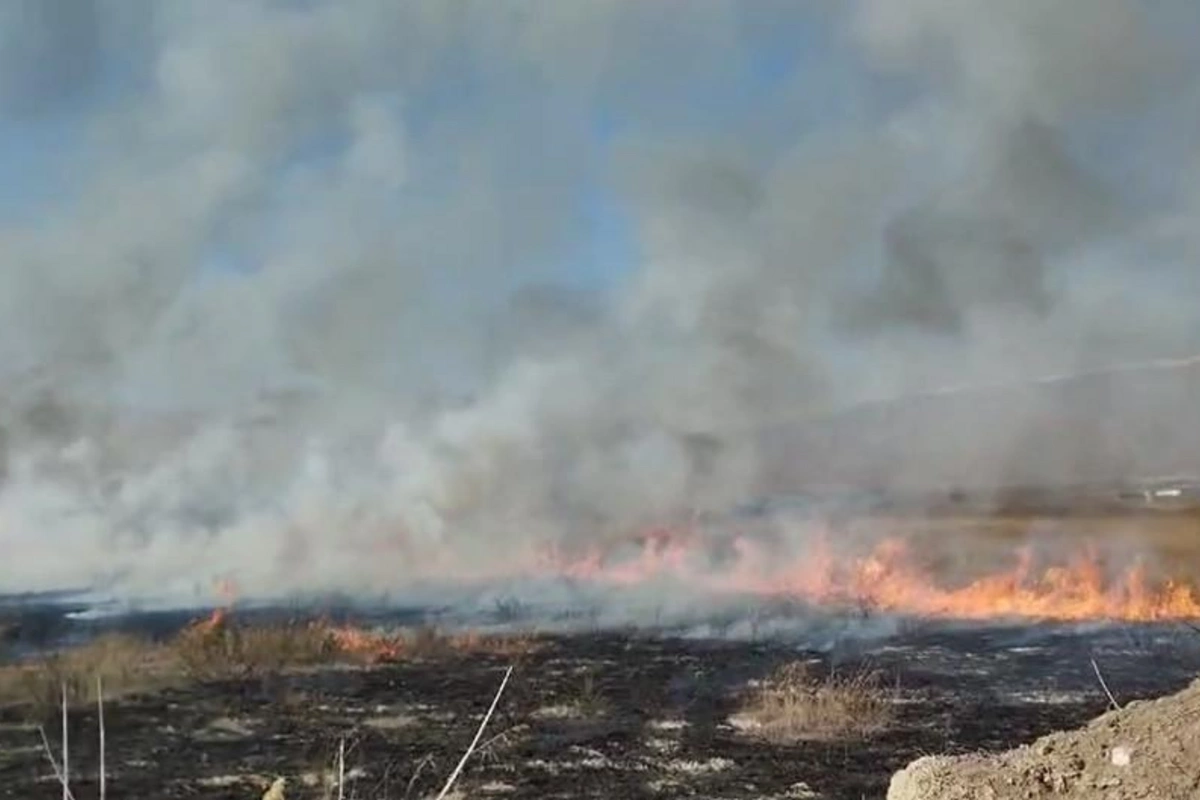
(308, 311)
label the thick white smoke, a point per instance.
(299, 315)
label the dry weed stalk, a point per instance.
(1103, 685)
(63, 773)
(426, 760)
(341, 769)
(478, 734)
(103, 737)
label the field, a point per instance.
(600, 715)
(827, 706)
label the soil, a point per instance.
(616, 715)
(1148, 749)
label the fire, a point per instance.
(226, 590)
(887, 578)
(213, 622)
(1075, 591)
(367, 645)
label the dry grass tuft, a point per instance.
(792, 705)
(590, 702)
(219, 649)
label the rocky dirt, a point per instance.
(1148, 749)
(614, 716)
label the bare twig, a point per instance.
(66, 756)
(499, 737)
(100, 717)
(424, 762)
(54, 764)
(1096, 667)
(479, 733)
(342, 769)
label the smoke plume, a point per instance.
(304, 304)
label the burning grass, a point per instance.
(220, 648)
(210, 651)
(900, 575)
(793, 705)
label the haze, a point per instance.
(320, 294)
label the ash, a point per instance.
(597, 711)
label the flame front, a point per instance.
(887, 579)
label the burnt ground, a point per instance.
(599, 715)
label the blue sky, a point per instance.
(40, 151)
(518, 130)
(31, 163)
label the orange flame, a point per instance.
(367, 645)
(226, 590)
(887, 579)
(213, 622)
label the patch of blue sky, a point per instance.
(792, 80)
(794, 77)
(33, 174)
(39, 169)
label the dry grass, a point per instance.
(590, 702)
(214, 651)
(123, 663)
(219, 648)
(792, 705)
(512, 646)
(428, 643)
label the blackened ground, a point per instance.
(598, 716)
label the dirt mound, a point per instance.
(1148, 749)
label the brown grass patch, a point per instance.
(427, 642)
(218, 648)
(502, 645)
(223, 649)
(792, 704)
(120, 662)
